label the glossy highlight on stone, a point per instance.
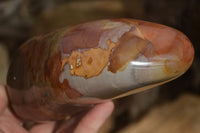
(67, 71)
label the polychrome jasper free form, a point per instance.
(65, 72)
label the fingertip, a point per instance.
(93, 120)
(43, 128)
(110, 105)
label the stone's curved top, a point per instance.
(128, 54)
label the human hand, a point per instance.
(90, 123)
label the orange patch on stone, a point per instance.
(90, 62)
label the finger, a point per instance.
(95, 118)
(3, 99)
(8, 114)
(43, 128)
(8, 125)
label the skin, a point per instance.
(90, 123)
